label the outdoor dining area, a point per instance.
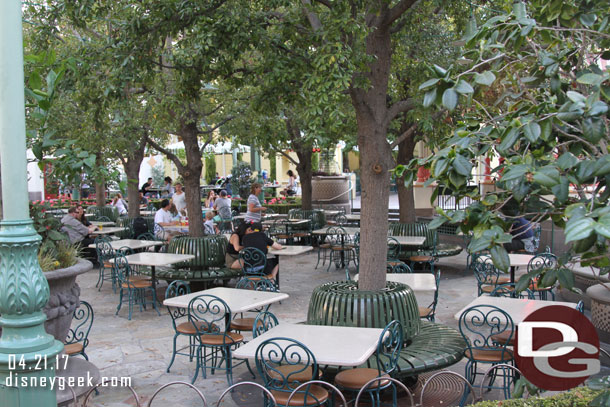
(240, 324)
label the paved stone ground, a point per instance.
(141, 348)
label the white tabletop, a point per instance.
(98, 223)
(517, 308)
(290, 250)
(519, 260)
(237, 300)
(410, 240)
(176, 228)
(131, 243)
(156, 259)
(108, 230)
(146, 213)
(324, 231)
(329, 212)
(286, 222)
(352, 216)
(419, 282)
(331, 345)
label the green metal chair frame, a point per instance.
(104, 253)
(253, 261)
(264, 321)
(479, 325)
(487, 275)
(430, 310)
(398, 267)
(179, 315)
(210, 316)
(83, 316)
(508, 290)
(284, 364)
(388, 352)
(135, 295)
(341, 244)
(540, 262)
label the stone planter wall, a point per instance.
(600, 310)
(330, 191)
(63, 298)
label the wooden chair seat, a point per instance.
(302, 375)
(356, 378)
(489, 355)
(187, 328)
(284, 236)
(300, 234)
(498, 281)
(107, 265)
(229, 338)
(73, 348)
(425, 312)
(137, 284)
(325, 246)
(341, 248)
(242, 324)
(421, 259)
(502, 338)
(316, 395)
(139, 278)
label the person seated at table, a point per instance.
(255, 237)
(208, 226)
(167, 190)
(209, 201)
(174, 212)
(76, 231)
(291, 189)
(143, 200)
(234, 246)
(222, 205)
(179, 198)
(120, 204)
(164, 218)
(146, 187)
(255, 209)
(81, 215)
(522, 231)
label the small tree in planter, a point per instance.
(241, 179)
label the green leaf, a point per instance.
(579, 228)
(500, 258)
(547, 176)
(514, 172)
(429, 83)
(486, 78)
(430, 97)
(588, 19)
(90, 161)
(561, 190)
(440, 71)
(598, 108)
(55, 235)
(479, 244)
(602, 226)
(450, 98)
(567, 160)
(575, 97)
(590, 79)
(463, 87)
(602, 166)
(462, 165)
(35, 81)
(439, 166)
(565, 277)
(532, 131)
(509, 140)
(436, 222)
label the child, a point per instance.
(209, 227)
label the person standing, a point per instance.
(291, 189)
(222, 206)
(255, 209)
(76, 231)
(179, 198)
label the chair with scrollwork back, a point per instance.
(253, 261)
(180, 323)
(284, 364)
(539, 264)
(78, 336)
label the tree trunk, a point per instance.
(100, 194)
(191, 173)
(406, 200)
(304, 169)
(376, 159)
(132, 170)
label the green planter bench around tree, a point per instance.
(428, 346)
(431, 247)
(208, 264)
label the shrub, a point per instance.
(241, 179)
(578, 397)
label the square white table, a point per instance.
(131, 243)
(331, 345)
(352, 217)
(287, 251)
(153, 260)
(237, 300)
(348, 230)
(518, 260)
(419, 282)
(409, 240)
(110, 230)
(517, 308)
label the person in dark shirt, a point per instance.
(522, 231)
(146, 186)
(255, 237)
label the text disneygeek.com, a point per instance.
(60, 383)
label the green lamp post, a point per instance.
(28, 354)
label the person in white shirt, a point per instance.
(164, 218)
(179, 198)
(120, 204)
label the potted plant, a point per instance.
(328, 187)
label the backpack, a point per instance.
(140, 226)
